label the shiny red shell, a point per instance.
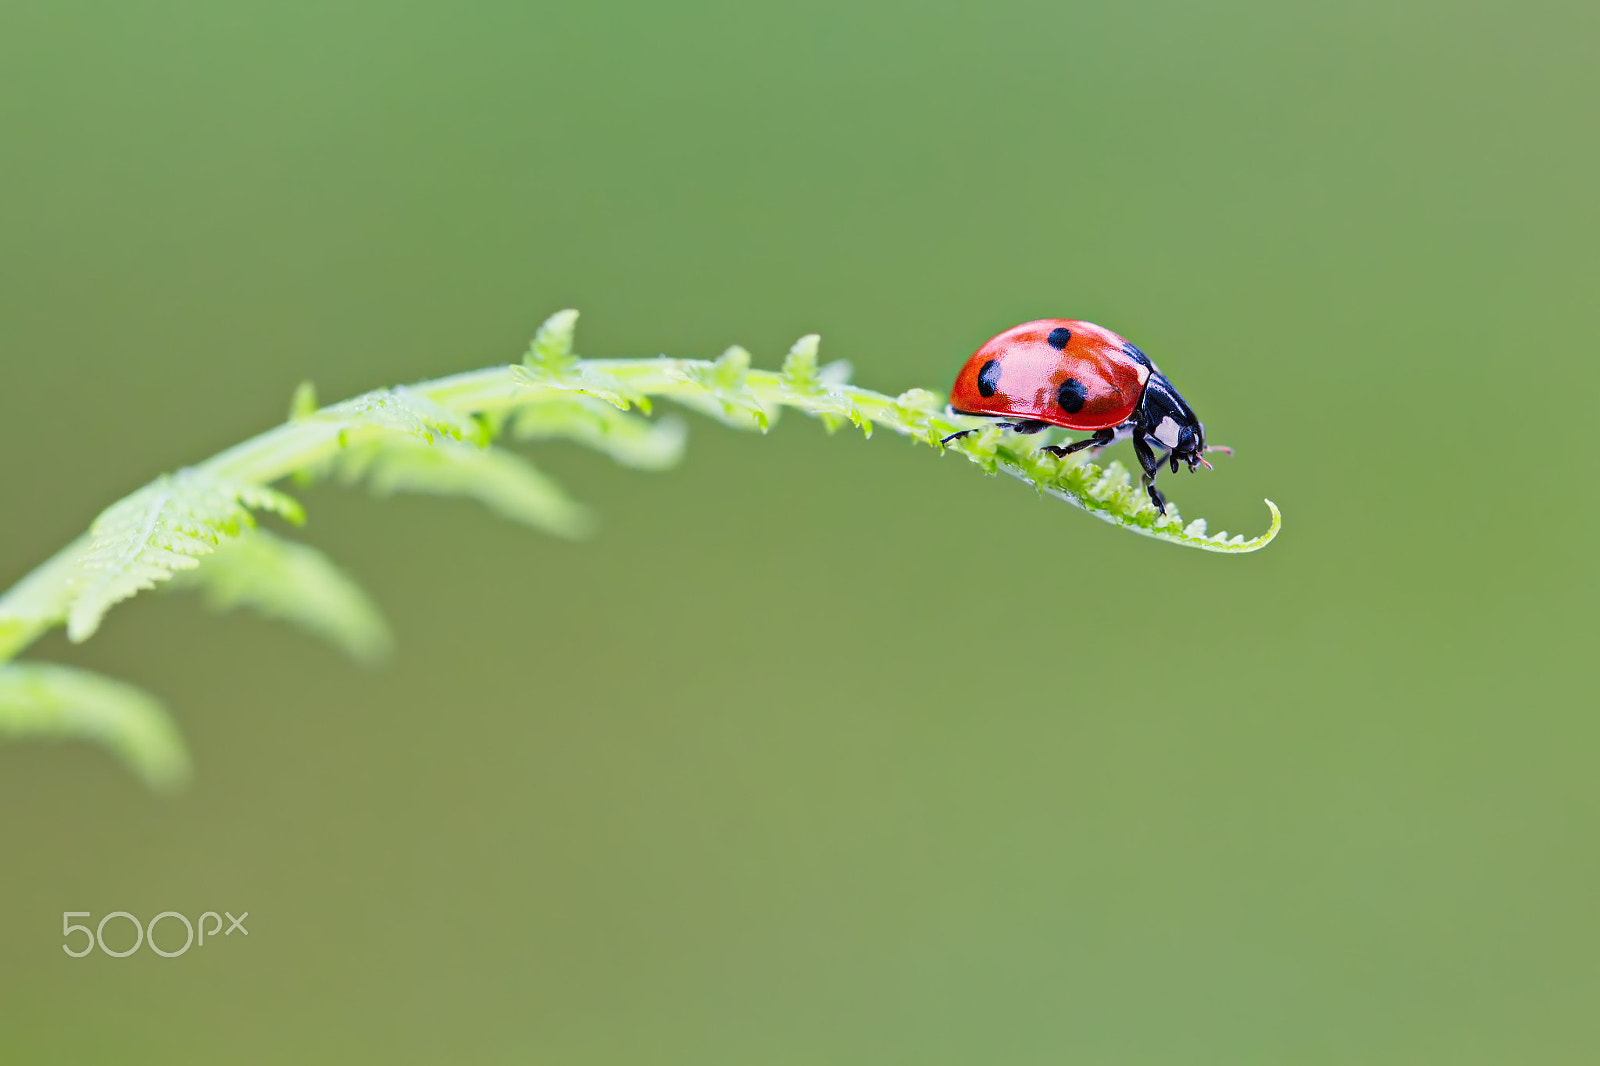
(1104, 382)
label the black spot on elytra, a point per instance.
(1071, 396)
(989, 378)
(1059, 337)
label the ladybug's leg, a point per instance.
(1152, 467)
(1026, 425)
(1122, 432)
(1101, 438)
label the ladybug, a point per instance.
(1063, 372)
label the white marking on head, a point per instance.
(1167, 433)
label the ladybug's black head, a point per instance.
(1169, 422)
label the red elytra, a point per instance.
(1025, 373)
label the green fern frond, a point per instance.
(401, 410)
(164, 527)
(551, 365)
(135, 544)
(436, 437)
(293, 583)
(623, 437)
(500, 480)
(42, 700)
(39, 602)
(550, 352)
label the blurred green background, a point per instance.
(823, 749)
